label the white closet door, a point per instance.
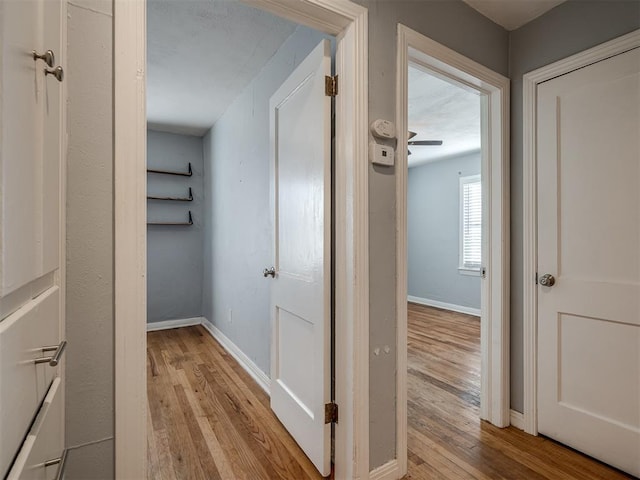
(301, 289)
(589, 240)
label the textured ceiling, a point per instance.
(512, 14)
(201, 55)
(441, 110)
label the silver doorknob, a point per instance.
(48, 57)
(547, 280)
(56, 72)
(269, 271)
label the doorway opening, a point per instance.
(444, 251)
(347, 22)
(234, 171)
(478, 239)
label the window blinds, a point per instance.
(471, 228)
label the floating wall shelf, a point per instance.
(177, 199)
(186, 224)
(169, 172)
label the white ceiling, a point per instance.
(441, 110)
(201, 55)
(512, 14)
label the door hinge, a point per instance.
(483, 272)
(331, 86)
(330, 413)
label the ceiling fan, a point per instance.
(421, 143)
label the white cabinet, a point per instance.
(30, 143)
(32, 153)
(41, 454)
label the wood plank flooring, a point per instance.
(446, 438)
(209, 420)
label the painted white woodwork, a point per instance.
(23, 383)
(349, 22)
(588, 162)
(418, 50)
(301, 288)
(44, 441)
(530, 248)
(31, 145)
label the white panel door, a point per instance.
(301, 289)
(589, 240)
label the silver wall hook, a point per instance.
(48, 57)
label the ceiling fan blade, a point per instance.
(425, 142)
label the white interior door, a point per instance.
(589, 240)
(301, 290)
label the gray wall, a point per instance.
(175, 254)
(461, 28)
(570, 28)
(89, 307)
(238, 230)
(433, 224)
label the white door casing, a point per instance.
(415, 48)
(588, 161)
(300, 134)
(349, 22)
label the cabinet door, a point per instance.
(30, 151)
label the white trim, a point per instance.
(517, 419)
(349, 22)
(388, 471)
(177, 323)
(130, 238)
(416, 48)
(445, 306)
(530, 214)
(245, 362)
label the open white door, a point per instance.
(301, 290)
(589, 260)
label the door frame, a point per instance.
(349, 22)
(414, 47)
(530, 205)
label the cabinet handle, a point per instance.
(54, 359)
(61, 462)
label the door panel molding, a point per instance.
(414, 47)
(530, 213)
(349, 22)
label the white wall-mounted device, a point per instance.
(383, 129)
(381, 154)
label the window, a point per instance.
(470, 224)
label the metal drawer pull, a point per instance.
(61, 462)
(55, 358)
(57, 72)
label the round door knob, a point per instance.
(269, 272)
(547, 280)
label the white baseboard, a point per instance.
(517, 419)
(445, 306)
(245, 362)
(388, 471)
(180, 322)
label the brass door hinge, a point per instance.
(330, 413)
(331, 86)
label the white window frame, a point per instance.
(462, 268)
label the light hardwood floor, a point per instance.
(447, 440)
(209, 420)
